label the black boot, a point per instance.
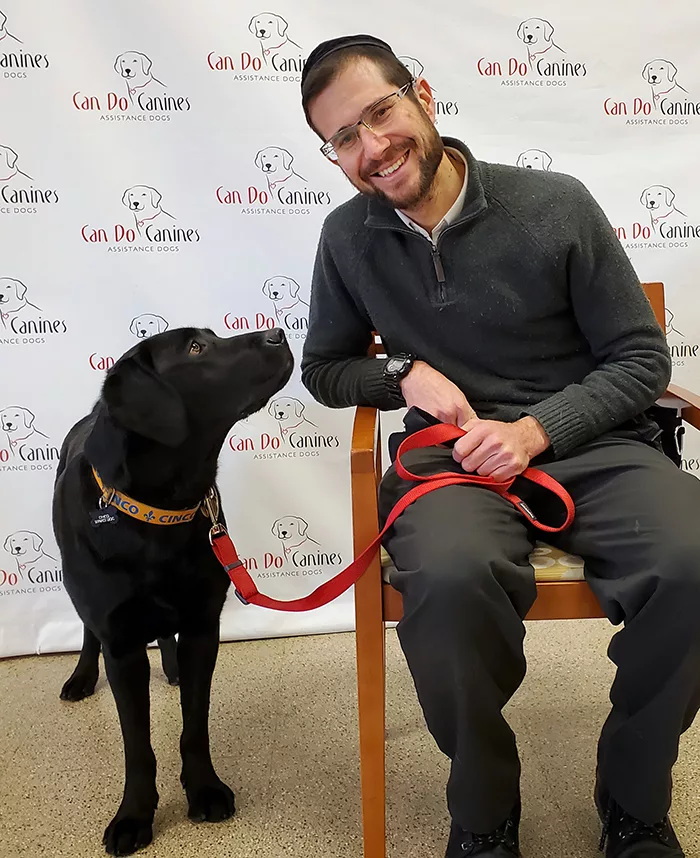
(627, 837)
(501, 843)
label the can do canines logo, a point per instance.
(17, 62)
(29, 567)
(665, 225)
(18, 194)
(23, 446)
(23, 322)
(141, 96)
(297, 553)
(666, 101)
(272, 54)
(542, 61)
(149, 228)
(290, 432)
(281, 190)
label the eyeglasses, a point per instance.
(376, 117)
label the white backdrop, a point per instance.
(194, 110)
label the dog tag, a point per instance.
(103, 516)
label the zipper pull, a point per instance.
(437, 262)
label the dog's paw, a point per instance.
(125, 835)
(79, 686)
(211, 803)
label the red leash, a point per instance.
(442, 433)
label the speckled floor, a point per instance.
(284, 737)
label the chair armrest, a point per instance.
(364, 436)
(690, 410)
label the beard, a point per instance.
(427, 148)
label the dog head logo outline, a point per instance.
(13, 297)
(535, 159)
(15, 419)
(271, 32)
(276, 165)
(414, 66)
(291, 530)
(536, 31)
(147, 324)
(26, 547)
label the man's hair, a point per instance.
(328, 69)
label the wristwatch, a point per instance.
(396, 368)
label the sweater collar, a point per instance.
(381, 215)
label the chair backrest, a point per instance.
(653, 291)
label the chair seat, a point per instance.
(549, 563)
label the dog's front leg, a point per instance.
(132, 827)
(81, 683)
(207, 796)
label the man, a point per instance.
(509, 308)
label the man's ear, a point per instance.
(142, 402)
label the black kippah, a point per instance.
(333, 45)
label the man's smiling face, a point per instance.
(410, 147)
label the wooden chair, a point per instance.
(561, 594)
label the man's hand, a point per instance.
(500, 450)
(430, 390)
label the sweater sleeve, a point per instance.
(334, 365)
(634, 363)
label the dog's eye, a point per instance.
(195, 348)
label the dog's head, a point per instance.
(657, 198)
(12, 294)
(23, 543)
(534, 159)
(188, 386)
(535, 31)
(147, 324)
(284, 408)
(289, 526)
(273, 159)
(280, 288)
(659, 71)
(16, 419)
(8, 158)
(141, 198)
(268, 25)
(414, 66)
(132, 64)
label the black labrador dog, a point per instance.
(154, 436)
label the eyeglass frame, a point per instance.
(328, 149)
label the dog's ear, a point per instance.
(162, 324)
(20, 289)
(155, 198)
(8, 544)
(10, 156)
(266, 288)
(669, 196)
(258, 159)
(519, 162)
(145, 63)
(134, 327)
(282, 25)
(125, 198)
(251, 26)
(546, 160)
(643, 198)
(303, 527)
(298, 407)
(271, 408)
(521, 31)
(28, 417)
(287, 159)
(548, 30)
(645, 73)
(293, 287)
(672, 71)
(275, 529)
(142, 402)
(37, 541)
(116, 64)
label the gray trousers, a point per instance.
(461, 555)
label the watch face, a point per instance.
(394, 364)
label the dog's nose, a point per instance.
(651, 204)
(653, 77)
(9, 425)
(275, 294)
(275, 337)
(262, 31)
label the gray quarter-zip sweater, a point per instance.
(528, 303)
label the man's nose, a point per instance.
(374, 144)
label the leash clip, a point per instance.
(217, 529)
(106, 498)
(211, 506)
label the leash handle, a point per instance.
(247, 592)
